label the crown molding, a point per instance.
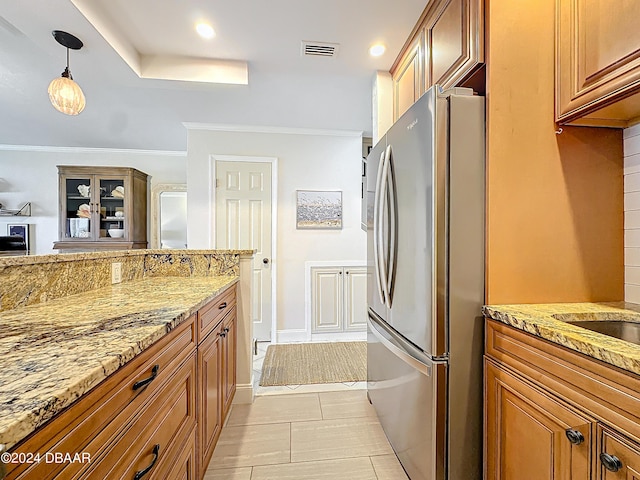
(51, 149)
(218, 127)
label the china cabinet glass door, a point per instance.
(78, 208)
(113, 220)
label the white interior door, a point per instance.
(243, 221)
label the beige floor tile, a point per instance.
(351, 468)
(290, 408)
(388, 467)
(244, 446)
(341, 438)
(348, 404)
(243, 473)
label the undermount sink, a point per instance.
(624, 330)
(624, 326)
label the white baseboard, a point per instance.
(340, 337)
(302, 336)
(244, 395)
(293, 335)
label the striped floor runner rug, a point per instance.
(309, 363)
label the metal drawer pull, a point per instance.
(610, 462)
(226, 330)
(141, 473)
(574, 436)
(222, 334)
(222, 305)
(146, 381)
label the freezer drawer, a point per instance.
(408, 392)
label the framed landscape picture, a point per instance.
(318, 210)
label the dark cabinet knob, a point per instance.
(574, 436)
(610, 462)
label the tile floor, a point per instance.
(311, 436)
(329, 432)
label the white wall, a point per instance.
(31, 176)
(632, 214)
(305, 161)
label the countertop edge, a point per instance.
(615, 352)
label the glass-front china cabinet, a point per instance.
(102, 208)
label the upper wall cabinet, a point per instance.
(445, 47)
(598, 62)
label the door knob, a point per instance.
(265, 261)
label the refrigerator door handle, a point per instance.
(383, 234)
(377, 231)
(393, 226)
(400, 348)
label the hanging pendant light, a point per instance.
(65, 94)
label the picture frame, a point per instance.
(318, 210)
(21, 229)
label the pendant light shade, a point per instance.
(65, 94)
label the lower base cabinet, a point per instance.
(527, 432)
(553, 414)
(217, 384)
(158, 417)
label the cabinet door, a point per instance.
(598, 61)
(527, 432)
(229, 360)
(326, 299)
(355, 298)
(618, 457)
(408, 77)
(453, 41)
(77, 208)
(209, 395)
(113, 207)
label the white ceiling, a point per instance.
(125, 111)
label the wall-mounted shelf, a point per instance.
(25, 211)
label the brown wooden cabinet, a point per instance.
(408, 77)
(217, 371)
(445, 48)
(95, 200)
(598, 62)
(99, 421)
(229, 347)
(210, 396)
(528, 430)
(168, 425)
(556, 414)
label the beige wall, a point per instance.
(554, 202)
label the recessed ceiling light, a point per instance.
(377, 50)
(205, 30)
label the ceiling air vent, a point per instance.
(319, 49)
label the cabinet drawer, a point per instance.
(214, 311)
(182, 465)
(151, 438)
(614, 446)
(104, 411)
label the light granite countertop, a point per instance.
(54, 352)
(549, 321)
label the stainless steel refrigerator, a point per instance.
(426, 285)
